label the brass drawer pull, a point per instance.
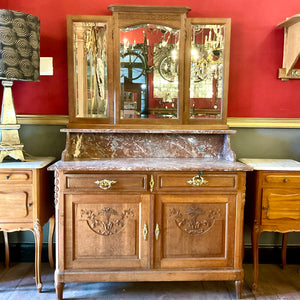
(6, 177)
(145, 231)
(151, 183)
(285, 180)
(265, 207)
(157, 232)
(105, 184)
(197, 180)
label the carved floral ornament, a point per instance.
(106, 221)
(190, 222)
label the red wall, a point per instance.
(256, 53)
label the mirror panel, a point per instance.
(90, 69)
(149, 72)
(206, 71)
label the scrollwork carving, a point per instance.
(103, 222)
(191, 223)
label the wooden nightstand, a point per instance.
(274, 191)
(25, 204)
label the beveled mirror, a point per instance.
(149, 71)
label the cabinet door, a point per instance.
(106, 231)
(195, 230)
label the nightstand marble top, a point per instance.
(30, 163)
(271, 164)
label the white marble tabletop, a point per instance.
(31, 162)
(271, 164)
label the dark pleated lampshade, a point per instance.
(19, 46)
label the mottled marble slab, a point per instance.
(150, 164)
(103, 143)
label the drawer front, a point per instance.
(280, 204)
(15, 177)
(16, 206)
(192, 181)
(281, 179)
(107, 182)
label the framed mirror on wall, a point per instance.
(154, 66)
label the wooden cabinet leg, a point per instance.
(6, 244)
(283, 249)
(255, 237)
(50, 241)
(38, 236)
(238, 288)
(59, 288)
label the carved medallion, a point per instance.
(191, 223)
(106, 221)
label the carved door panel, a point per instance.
(194, 230)
(106, 231)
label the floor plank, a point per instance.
(18, 282)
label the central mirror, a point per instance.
(149, 71)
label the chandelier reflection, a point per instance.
(207, 55)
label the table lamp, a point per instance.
(19, 60)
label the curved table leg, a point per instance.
(50, 241)
(38, 236)
(283, 249)
(6, 243)
(255, 237)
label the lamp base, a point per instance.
(13, 153)
(9, 129)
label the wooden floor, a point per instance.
(17, 283)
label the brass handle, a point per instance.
(157, 232)
(285, 180)
(265, 207)
(105, 184)
(145, 231)
(7, 177)
(151, 183)
(197, 180)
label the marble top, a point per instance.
(150, 130)
(151, 164)
(30, 162)
(271, 164)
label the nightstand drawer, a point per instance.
(190, 181)
(15, 206)
(279, 204)
(8, 177)
(284, 179)
(107, 182)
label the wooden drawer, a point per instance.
(281, 179)
(16, 206)
(107, 182)
(280, 204)
(191, 181)
(15, 177)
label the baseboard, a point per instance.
(272, 255)
(23, 252)
(267, 255)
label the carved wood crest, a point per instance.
(190, 222)
(106, 221)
